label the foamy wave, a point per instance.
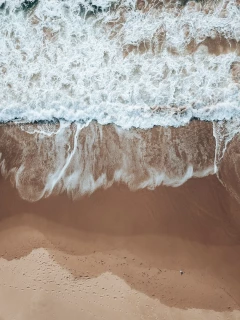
(125, 66)
(49, 159)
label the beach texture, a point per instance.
(128, 253)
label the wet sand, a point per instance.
(118, 252)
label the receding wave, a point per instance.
(42, 159)
(49, 159)
(130, 63)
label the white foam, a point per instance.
(80, 161)
(224, 132)
(57, 64)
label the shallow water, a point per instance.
(44, 159)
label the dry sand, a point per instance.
(117, 254)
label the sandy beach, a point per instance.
(119, 160)
(118, 252)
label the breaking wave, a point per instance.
(130, 63)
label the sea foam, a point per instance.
(41, 160)
(124, 66)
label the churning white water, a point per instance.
(120, 65)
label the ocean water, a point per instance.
(121, 65)
(45, 159)
(67, 68)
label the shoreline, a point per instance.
(42, 161)
(173, 232)
(118, 251)
(57, 121)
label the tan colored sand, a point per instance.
(36, 287)
(118, 253)
(129, 245)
